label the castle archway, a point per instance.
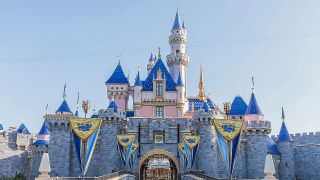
(158, 164)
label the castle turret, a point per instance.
(255, 136)
(253, 112)
(137, 94)
(182, 101)
(286, 167)
(151, 63)
(59, 127)
(178, 60)
(118, 88)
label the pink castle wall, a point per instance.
(146, 111)
(121, 103)
(171, 111)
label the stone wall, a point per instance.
(12, 160)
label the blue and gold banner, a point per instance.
(84, 127)
(191, 144)
(182, 156)
(85, 134)
(124, 144)
(134, 155)
(228, 134)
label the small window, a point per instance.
(159, 111)
(117, 87)
(159, 89)
(158, 138)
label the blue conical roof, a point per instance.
(23, 129)
(118, 76)
(44, 129)
(284, 135)
(179, 81)
(272, 147)
(1, 127)
(177, 22)
(253, 107)
(148, 83)
(113, 105)
(138, 81)
(205, 106)
(238, 106)
(43, 136)
(64, 108)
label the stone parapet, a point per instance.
(177, 58)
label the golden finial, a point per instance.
(226, 107)
(201, 94)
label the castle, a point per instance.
(162, 113)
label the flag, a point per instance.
(182, 156)
(124, 144)
(228, 135)
(85, 134)
(191, 144)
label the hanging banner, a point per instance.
(85, 134)
(183, 156)
(191, 144)
(124, 144)
(133, 155)
(228, 135)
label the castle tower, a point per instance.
(118, 88)
(253, 112)
(137, 93)
(256, 133)
(60, 135)
(178, 60)
(286, 167)
(182, 101)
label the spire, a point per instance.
(138, 81)
(282, 114)
(284, 135)
(183, 26)
(252, 79)
(179, 81)
(151, 57)
(159, 53)
(201, 94)
(177, 22)
(77, 110)
(253, 107)
(64, 107)
(64, 91)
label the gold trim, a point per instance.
(158, 151)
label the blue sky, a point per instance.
(44, 44)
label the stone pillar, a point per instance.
(44, 168)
